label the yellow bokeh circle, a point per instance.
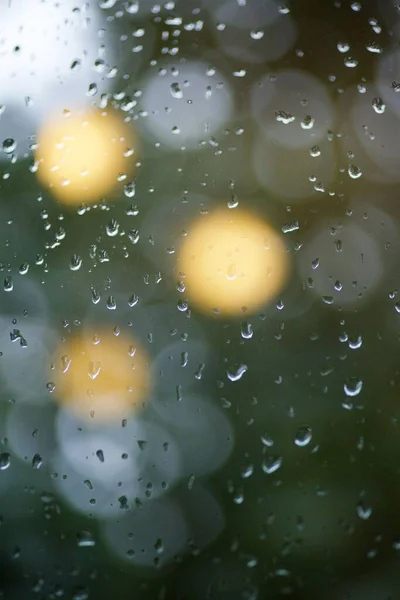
(102, 375)
(81, 156)
(232, 262)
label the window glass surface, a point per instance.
(199, 299)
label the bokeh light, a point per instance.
(293, 108)
(252, 32)
(149, 537)
(341, 264)
(54, 55)
(81, 156)
(103, 376)
(184, 103)
(294, 173)
(232, 262)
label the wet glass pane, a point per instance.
(199, 299)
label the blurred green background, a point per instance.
(300, 494)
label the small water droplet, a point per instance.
(374, 48)
(142, 444)
(246, 331)
(308, 122)
(257, 34)
(37, 461)
(267, 440)
(271, 464)
(112, 228)
(303, 436)
(85, 539)
(50, 386)
(9, 145)
(353, 386)
(289, 227)
(236, 372)
(8, 284)
(247, 471)
(100, 455)
(176, 91)
(284, 117)
(378, 105)
(354, 171)
(75, 263)
(130, 189)
(350, 62)
(363, 511)
(134, 236)
(356, 343)
(315, 151)
(343, 47)
(5, 461)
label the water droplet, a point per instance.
(76, 65)
(363, 512)
(289, 227)
(8, 284)
(123, 502)
(238, 497)
(247, 471)
(353, 386)
(175, 90)
(374, 48)
(271, 464)
(356, 343)
(100, 455)
(85, 539)
(95, 296)
(191, 481)
(257, 34)
(354, 171)
(9, 145)
(142, 444)
(284, 117)
(267, 440)
(37, 461)
(378, 105)
(134, 236)
(343, 46)
(112, 228)
(236, 372)
(315, 151)
(5, 461)
(308, 122)
(303, 436)
(24, 268)
(50, 386)
(130, 190)
(75, 263)
(246, 331)
(350, 62)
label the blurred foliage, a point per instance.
(296, 367)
